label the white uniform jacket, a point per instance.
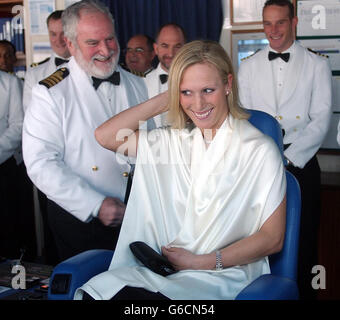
(304, 109)
(62, 157)
(155, 87)
(36, 73)
(11, 115)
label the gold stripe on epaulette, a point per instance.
(245, 58)
(318, 53)
(55, 78)
(137, 73)
(34, 64)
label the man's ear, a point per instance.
(155, 48)
(70, 45)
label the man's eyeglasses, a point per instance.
(135, 50)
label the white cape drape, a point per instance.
(200, 199)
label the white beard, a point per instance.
(92, 70)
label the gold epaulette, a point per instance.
(318, 53)
(55, 78)
(34, 64)
(137, 73)
(251, 55)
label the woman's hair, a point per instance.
(71, 15)
(200, 51)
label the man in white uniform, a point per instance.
(11, 117)
(85, 183)
(169, 39)
(293, 84)
(60, 55)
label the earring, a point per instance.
(228, 92)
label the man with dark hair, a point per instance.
(85, 184)
(7, 56)
(60, 55)
(169, 39)
(293, 84)
(139, 55)
(281, 3)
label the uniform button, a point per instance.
(94, 168)
(295, 129)
(125, 174)
(280, 117)
(298, 117)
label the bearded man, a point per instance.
(85, 185)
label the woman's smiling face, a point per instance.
(203, 96)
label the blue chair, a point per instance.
(279, 285)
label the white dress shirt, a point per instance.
(279, 68)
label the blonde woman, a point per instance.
(208, 192)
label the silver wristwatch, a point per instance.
(219, 265)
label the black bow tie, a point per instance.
(114, 79)
(59, 61)
(273, 55)
(163, 78)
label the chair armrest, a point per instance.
(270, 287)
(72, 273)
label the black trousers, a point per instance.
(132, 293)
(309, 179)
(17, 227)
(73, 236)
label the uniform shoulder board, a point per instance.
(318, 53)
(34, 64)
(137, 73)
(251, 55)
(55, 78)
